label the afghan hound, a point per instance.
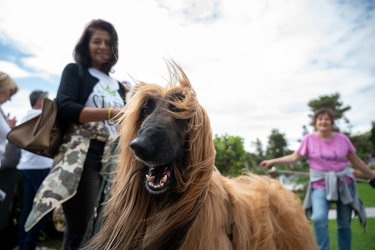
(166, 194)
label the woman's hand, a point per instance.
(265, 164)
(361, 165)
(287, 159)
(11, 121)
(116, 114)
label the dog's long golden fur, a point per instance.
(202, 209)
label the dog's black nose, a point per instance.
(142, 149)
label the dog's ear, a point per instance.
(202, 150)
(129, 125)
(136, 87)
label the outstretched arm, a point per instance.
(361, 165)
(288, 159)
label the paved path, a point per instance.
(370, 211)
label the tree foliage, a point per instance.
(259, 152)
(277, 145)
(231, 157)
(305, 131)
(372, 138)
(363, 145)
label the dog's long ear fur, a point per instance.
(130, 210)
(201, 151)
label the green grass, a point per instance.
(360, 240)
(367, 194)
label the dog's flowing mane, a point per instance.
(190, 206)
(131, 208)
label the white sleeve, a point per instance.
(4, 130)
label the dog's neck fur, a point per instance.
(176, 237)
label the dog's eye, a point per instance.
(148, 107)
(173, 108)
(146, 111)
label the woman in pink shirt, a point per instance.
(329, 155)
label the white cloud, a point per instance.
(14, 70)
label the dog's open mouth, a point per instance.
(157, 178)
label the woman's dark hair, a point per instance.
(322, 111)
(81, 52)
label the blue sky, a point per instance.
(254, 64)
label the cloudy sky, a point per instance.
(254, 64)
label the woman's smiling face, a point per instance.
(323, 123)
(100, 48)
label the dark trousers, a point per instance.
(32, 179)
(79, 209)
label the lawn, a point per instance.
(367, 194)
(360, 240)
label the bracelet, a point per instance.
(109, 113)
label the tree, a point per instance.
(251, 160)
(305, 131)
(372, 138)
(259, 152)
(363, 145)
(277, 145)
(231, 157)
(333, 102)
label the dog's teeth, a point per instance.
(164, 180)
(149, 178)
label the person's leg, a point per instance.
(344, 218)
(320, 208)
(79, 209)
(32, 181)
(27, 199)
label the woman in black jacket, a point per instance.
(89, 101)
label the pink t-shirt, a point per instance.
(326, 156)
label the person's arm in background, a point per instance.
(288, 159)
(11, 121)
(4, 130)
(361, 165)
(4, 127)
